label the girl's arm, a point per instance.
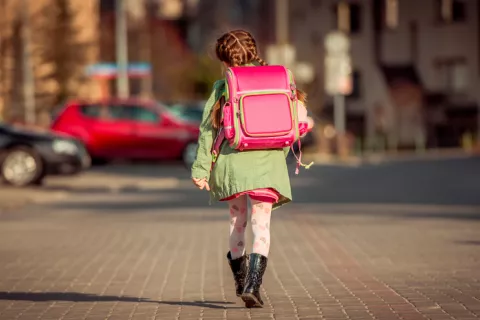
(203, 161)
(305, 123)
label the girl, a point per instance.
(260, 175)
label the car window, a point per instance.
(187, 112)
(120, 112)
(90, 110)
(144, 115)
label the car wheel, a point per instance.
(189, 154)
(21, 166)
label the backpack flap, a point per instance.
(266, 113)
(262, 108)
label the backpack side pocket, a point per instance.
(228, 125)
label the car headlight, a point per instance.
(64, 146)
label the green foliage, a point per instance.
(206, 71)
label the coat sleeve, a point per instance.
(203, 161)
(303, 122)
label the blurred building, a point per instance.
(214, 17)
(157, 32)
(416, 63)
(85, 22)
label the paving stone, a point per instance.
(96, 260)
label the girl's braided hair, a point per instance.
(237, 48)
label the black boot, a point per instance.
(256, 269)
(239, 269)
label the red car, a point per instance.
(130, 129)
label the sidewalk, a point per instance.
(111, 259)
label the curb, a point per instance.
(356, 161)
(13, 198)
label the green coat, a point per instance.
(237, 171)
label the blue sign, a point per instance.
(111, 69)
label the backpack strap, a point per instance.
(217, 144)
(220, 136)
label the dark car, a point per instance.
(27, 156)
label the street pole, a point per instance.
(2, 83)
(28, 79)
(147, 49)
(281, 21)
(338, 82)
(478, 123)
(281, 28)
(121, 49)
(339, 110)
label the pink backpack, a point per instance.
(260, 110)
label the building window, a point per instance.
(391, 14)
(348, 17)
(450, 11)
(453, 74)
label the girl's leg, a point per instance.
(261, 213)
(238, 224)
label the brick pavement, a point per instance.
(89, 259)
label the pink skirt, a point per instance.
(269, 195)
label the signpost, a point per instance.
(111, 70)
(28, 76)
(286, 55)
(121, 48)
(103, 72)
(281, 54)
(338, 75)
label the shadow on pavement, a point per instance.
(397, 211)
(87, 297)
(438, 183)
(469, 242)
(125, 189)
(146, 169)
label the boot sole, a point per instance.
(251, 301)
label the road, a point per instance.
(396, 240)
